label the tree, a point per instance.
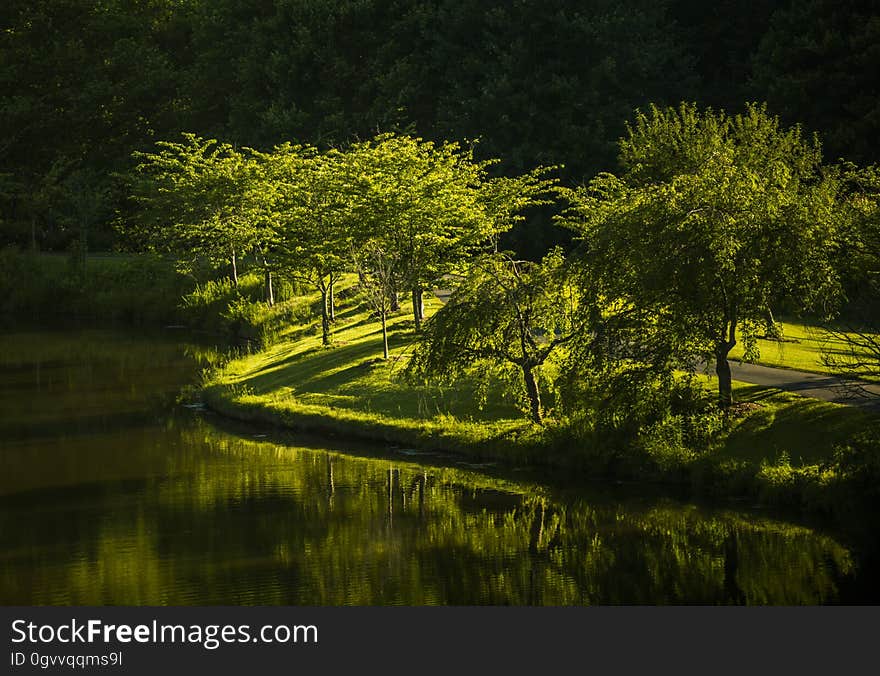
(375, 268)
(859, 259)
(424, 201)
(509, 313)
(714, 218)
(87, 201)
(82, 85)
(194, 199)
(541, 82)
(721, 43)
(313, 207)
(816, 47)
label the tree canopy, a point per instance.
(716, 219)
(506, 313)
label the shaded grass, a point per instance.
(787, 425)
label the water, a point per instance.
(114, 492)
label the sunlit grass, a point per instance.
(350, 385)
(801, 349)
(347, 389)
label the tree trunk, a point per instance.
(331, 304)
(772, 331)
(384, 315)
(34, 234)
(270, 294)
(533, 393)
(234, 269)
(418, 308)
(84, 246)
(325, 319)
(395, 302)
(722, 370)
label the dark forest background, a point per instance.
(83, 84)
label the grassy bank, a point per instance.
(348, 390)
(144, 290)
(781, 448)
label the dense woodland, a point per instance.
(83, 85)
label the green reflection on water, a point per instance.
(111, 494)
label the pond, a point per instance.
(113, 490)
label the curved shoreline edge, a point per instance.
(343, 424)
(808, 490)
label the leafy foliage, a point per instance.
(858, 259)
(505, 313)
(811, 49)
(715, 219)
(196, 200)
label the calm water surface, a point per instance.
(113, 492)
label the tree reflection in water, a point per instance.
(111, 494)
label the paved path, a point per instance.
(813, 385)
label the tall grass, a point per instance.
(240, 313)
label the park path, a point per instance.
(813, 385)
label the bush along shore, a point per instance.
(772, 448)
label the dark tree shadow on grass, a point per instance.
(341, 376)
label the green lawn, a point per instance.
(806, 430)
(801, 349)
(351, 374)
(349, 384)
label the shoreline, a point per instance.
(324, 420)
(809, 490)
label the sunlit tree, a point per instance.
(312, 204)
(714, 218)
(423, 200)
(194, 201)
(506, 313)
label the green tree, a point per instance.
(375, 269)
(858, 258)
(197, 201)
(721, 43)
(82, 85)
(817, 64)
(313, 211)
(424, 201)
(715, 218)
(509, 313)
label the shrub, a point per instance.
(857, 467)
